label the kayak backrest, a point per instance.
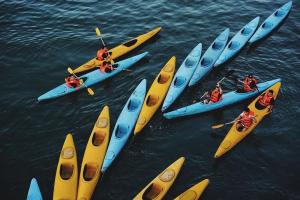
(206, 61)
(98, 138)
(163, 78)
(152, 100)
(121, 130)
(89, 171)
(179, 81)
(152, 192)
(66, 171)
(130, 43)
(133, 104)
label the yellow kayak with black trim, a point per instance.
(194, 192)
(159, 186)
(93, 156)
(119, 50)
(156, 94)
(234, 136)
(66, 179)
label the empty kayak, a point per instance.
(234, 136)
(119, 50)
(194, 192)
(92, 78)
(238, 42)
(271, 22)
(94, 156)
(156, 94)
(66, 179)
(183, 76)
(159, 186)
(124, 125)
(227, 99)
(210, 57)
(34, 192)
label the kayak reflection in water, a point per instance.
(72, 81)
(249, 83)
(245, 120)
(214, 96)
(266, 100)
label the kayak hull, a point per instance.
(194, 192)
(34, 192)
(227, 99)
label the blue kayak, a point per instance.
(210, 57)
(92, 78)
(182, 76)
(34, 192)
(271, 22)
(124, 125)
(227, 99)
(238, 42)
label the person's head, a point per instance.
(270, 92)
(250, 75)
(247, 110)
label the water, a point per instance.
(40, 39)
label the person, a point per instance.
(266, 100)
(249, 84)
(72, 81)
(103, 54)
(106, 67)
(214, 96)
(245, 120)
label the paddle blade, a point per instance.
(90, 91)
(217, 126)
(70, 70)
(98, 33)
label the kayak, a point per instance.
(94, 155)
(234, 136)
(194, 192)
(238, 42)
(210, 57)
(156, 94)
(91, 78)
(125, 124)
(66, 179)
(119, 50)
(271, 22)
(159, 186)
(34, 192)
(183, 76)
(227, 99)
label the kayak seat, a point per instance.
(233, 45)
(152, 192)
(179, 81)
(267, 25)
(190, 62)
(152, 100)
(163, 78)
(130, 43)
(121, 130)
(66, 171)
(89, 171)
(279, 13)
(98, 138)
(133, 105)
(205, 61)
(246, 31)
(217, 45)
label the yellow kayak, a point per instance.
(159, 186)
(93, 156)
(119, 50)
(65, 185)
(194, 192)
(234, 136)
(156, 94)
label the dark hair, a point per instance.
(250, 75)
(247, 109)
(271, 91)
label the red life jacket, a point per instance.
(103, 54)
(246, 120)
(247, 83)
(106, 67)
(265, 100)
(215, 95)
(72, 82)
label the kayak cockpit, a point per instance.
(133, 105)
(190, 62)
(267, 25)
(179, 81)
(153, 191)
(152, 100)
(279, 13)
(233, 45)
(90, 170)
(163, 78)
(205, 62)
(246, 31)
(190, 195)
(130, 43)
(66, 171)
(217, 45)
(98, 138)
(121, 130)
(167, 176)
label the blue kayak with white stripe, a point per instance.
(34, 192)
(210, 57)
(125, 124)
(238, 42)
(92, 78)
(271, 22)
(183, 76)
(227, 99)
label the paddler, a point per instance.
(245, 120)
(72, 81)
(266, 100)
(249, 84)
(103, 54)
(214, 96)
(106, 67)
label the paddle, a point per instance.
(98, 33)
(221, 125)
(89, 90)
(243, 83)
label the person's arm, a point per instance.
(270, 107)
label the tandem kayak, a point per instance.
(234, 136)
(194, 192)
(94, 156)
(124, 125)
(92, 78)
(238, 42)
(156, 94)
(34, 192)
(66, 179)
(210, 57)
(119, 50)
(271, 22)
(159, 186)
(182, 76)
(227, 99)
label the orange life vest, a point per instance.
(215, 95)
(265, 100)
(106, 67)
(72, 82)
(246, 120)
(247, 84)
(103, 54)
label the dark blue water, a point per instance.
(40, 39)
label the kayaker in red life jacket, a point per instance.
(249, 83)
(103, 54)
(106, 67)
(245, 120)
(72, 81)
(214, 96)
(266, 100)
